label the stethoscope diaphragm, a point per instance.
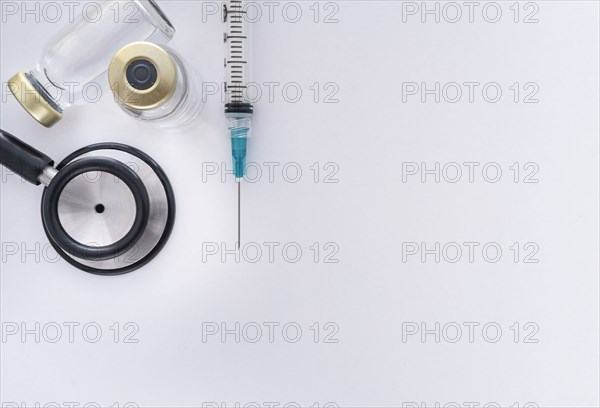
(107, 209)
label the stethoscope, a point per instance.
(107, 209)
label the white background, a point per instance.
(369, 214)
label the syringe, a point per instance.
(238, 109)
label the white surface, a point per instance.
(369, 213)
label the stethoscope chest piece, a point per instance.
(107, 209)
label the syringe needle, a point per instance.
(239, 214)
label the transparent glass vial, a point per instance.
(77, 57)
(152, 83)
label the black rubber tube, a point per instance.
(23, 159)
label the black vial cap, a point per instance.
(141, 74)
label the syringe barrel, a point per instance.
(238, 53)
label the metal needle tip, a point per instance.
(239, 214)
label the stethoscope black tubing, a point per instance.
(22, 159)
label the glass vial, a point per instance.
(152, 83)
(77, 56)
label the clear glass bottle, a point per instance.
(76, 58)
(152, 83)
